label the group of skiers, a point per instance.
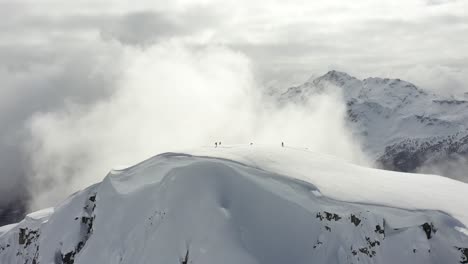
(218, 144)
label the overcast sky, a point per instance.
(55, 52)
(288, 40)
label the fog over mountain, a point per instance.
(85, 79)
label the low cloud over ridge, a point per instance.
(59, 59)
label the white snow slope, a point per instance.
(249, 204)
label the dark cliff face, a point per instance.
(415, 151)
(408, 156)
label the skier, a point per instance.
(219, 144)
(216, 144)
(282, 144)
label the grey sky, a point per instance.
(53, 52)
(365, 38)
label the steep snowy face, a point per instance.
(231, 205)
(401, 125)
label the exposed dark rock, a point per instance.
(318, 244)
(328, 216)
(451, 102)
(410, 154)
(429, 229)
(185, 260)
(366, 251)
(379, 230)
(356, 221)
(68, 258)
(372, 243)
(87, 222)
(27, 236)
(464, 255)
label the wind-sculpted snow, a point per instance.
(233, 205)
(402, 126)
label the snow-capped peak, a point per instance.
(373, 87)
(334, 76)
(395, 118)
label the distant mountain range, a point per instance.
(402, 126)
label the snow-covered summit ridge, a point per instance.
(247, 204)
(340, 180)
(401, 125)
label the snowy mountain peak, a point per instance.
(248, 204)
(401, 125)
(369, 87)
(373, 88)
(336, 76)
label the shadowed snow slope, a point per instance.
(248, 204)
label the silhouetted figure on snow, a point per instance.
(282, 144)
(216, 144)
(219, 144)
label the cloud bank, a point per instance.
(171, 97)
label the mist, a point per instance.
(173, 96)
(455, 167)
(89, 85)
